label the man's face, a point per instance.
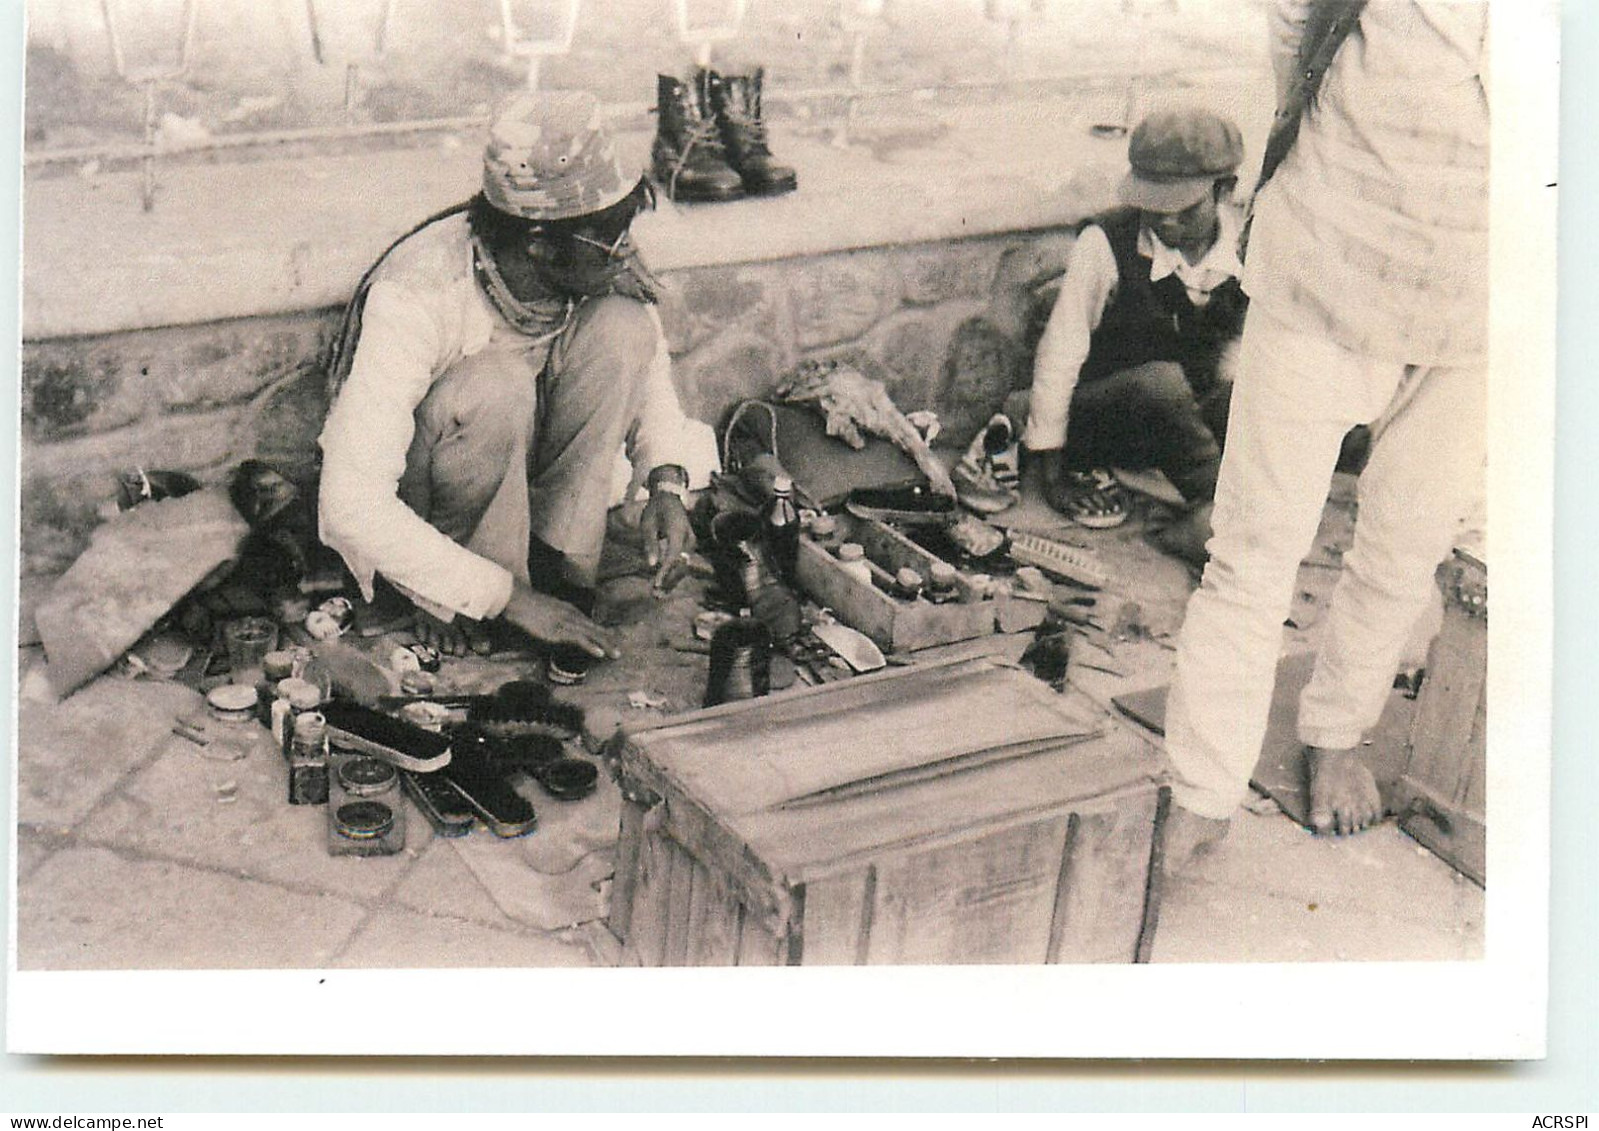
(1190, 227)
(584, 262)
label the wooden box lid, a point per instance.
(813, 782)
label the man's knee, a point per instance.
(613, 329)
(1160, 384)
(481, 395)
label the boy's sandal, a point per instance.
(1094, 499)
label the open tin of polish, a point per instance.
(364, 820)
(366, 777)
(568, 665)
(568, 779)
(232, 702)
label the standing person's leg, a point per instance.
(466, 470)
(1295, 397)
(1424, 473)
(593, 390)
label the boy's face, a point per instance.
(1192, 226)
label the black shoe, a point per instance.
(688, 158)
(736, 101)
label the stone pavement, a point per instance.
(129, 856)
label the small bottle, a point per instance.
(942, 580)
(823, 529)
(852, 557)
(780, 523)
(907, 584)
(294, 698)
(308, 760)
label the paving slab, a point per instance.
(1381, 872)
(571, 830)
(33, 849)
(441, 884)
(398, 938)
(91, 908)
(172, 809)
(1273, 892)
(536, 899)
(71, 753)
(1205, 924)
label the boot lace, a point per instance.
(700, 137)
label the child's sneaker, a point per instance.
(987, 477)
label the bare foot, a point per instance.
(453, 638)
(1189, 837)
(1343, 794)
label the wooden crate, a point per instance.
(1027, 849)
(1442, 794)
(897, 625)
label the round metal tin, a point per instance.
(364, 820)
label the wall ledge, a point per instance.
(269, 237)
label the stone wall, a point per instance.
(202, 398)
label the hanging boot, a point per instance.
(736, 100)
(688, 159)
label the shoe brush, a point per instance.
(522, 708)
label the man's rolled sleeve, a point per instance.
(1084, 293)
(364, 444)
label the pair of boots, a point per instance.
(710, 139)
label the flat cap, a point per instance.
(1176, 155)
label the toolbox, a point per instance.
(894, 623)
(1441, 797)
(951, 813)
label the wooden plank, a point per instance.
(1155, 878)
(1446, 710)
(775, 750)
(758, 946)
(988, 899)
(864, 608)
(1442, 796)
(630, 842)
(894, 624)
(1057, 921)
(808, 844)
(680, 894)
(646, 933)
(705, 838)
(838, 918)
(1458, 837)
(1106, 882)
(713, 921)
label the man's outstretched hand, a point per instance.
(553, 621)
(668, 537)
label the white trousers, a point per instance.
(1295, 397)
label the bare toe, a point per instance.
(1343, 793)
(478, 639)
(446, 638)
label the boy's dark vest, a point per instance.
(1147, 321)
